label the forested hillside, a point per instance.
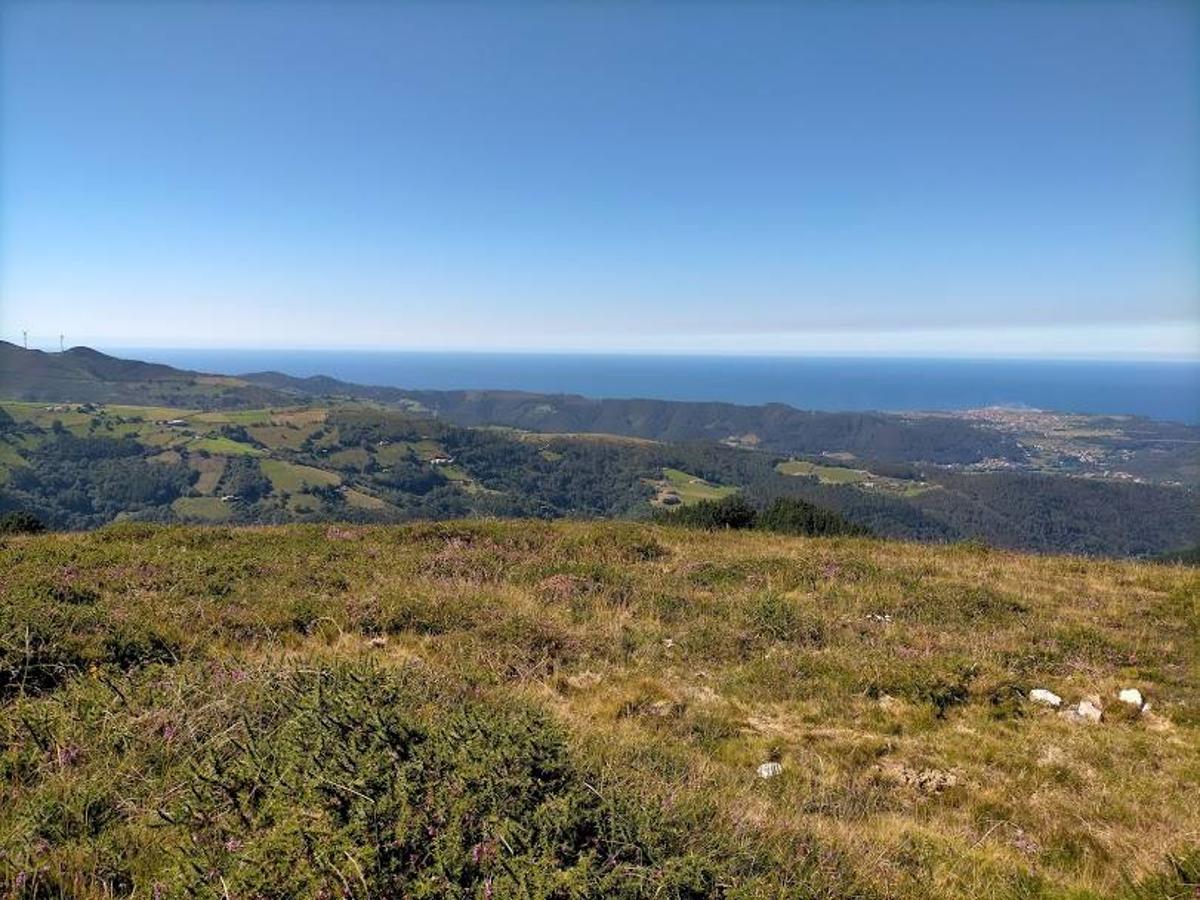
(83, 465)
(107, 438)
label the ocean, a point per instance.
(1161, 390)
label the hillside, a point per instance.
(775, 427)
(567, 709)
(86, 438)
(82, 465)
(84, 375)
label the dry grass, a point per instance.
(889, 679)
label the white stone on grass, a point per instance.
(1089, 710)
(1132, 696)
(770, 770)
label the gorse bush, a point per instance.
(350, 780)
(21, 523)
(728, 512)
(785, 515)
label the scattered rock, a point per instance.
(377, 641)
(1049, 698)
(885, 618)
(1088, 710)
(1132, 696)
(770, 770)
(669, 643)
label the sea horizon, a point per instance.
(1167, 390)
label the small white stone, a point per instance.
(1089, 709)
(770, 770)
(1132, 696)
(1041, 695)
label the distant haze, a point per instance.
(1000, 179)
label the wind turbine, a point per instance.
(61, 348)
(25, 339)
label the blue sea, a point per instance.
(1160, 390)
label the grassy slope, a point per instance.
(183, 706)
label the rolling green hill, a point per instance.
(98, 438)
(534, 709)
(83, 375)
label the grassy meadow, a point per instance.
(529, 709)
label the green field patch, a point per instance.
(211, 468)
(691, 488)
(299, 417)
(280, 437)
(46, 414)
(223, 446)
(826, 474)
(169, 457)
(350, 458)
(390, 454)
(236, 417)
(454, 473)
(290, 478)
(10, 459)
(428, 450)
(362, 501)
(205, 509)
(865, 480)
(150, 413)
(303, 503)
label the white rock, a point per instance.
(770, 770)
(1132, 696)
(1089, 709)
(1041, 695)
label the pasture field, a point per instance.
(858, 477)
(206, 509)
(827, 474)
(692, 489)
(288, 478)
(222, 446)
(476, 709)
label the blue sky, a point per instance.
(893, 179)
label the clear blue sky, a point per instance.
(891, 178)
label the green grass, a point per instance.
(150, 413)
(350, 458)
(291, 478)
(860, 477)
(826, 474)
(280, 437)
(223, 446)
(210, 469)
(10, 458)
(571, 709)
(205, 509)
(692, 489)
(362, 500)
(234, 417)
